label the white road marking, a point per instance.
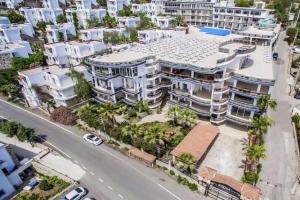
(84, 167)
(92, 173)
(109, 187)
(169, 192)
(36, 115)
(76, 161)
(120, 196)
(58, 149)
(100, 180)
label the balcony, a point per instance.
(221, 90)
(153, 75)
(182, 92)
(106, 90)
(162, 84)
(246, 88)
(220, 110)
(239, 119)
(217, 120)
(202, 110)
(154, 95)
(131, 90)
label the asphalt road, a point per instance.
(109, 174)
(279, 170)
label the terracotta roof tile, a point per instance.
(197, 141)
(141, 155)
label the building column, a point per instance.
(252, 114)
(258, 88)
(270, 89)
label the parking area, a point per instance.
(226, 154)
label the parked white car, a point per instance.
(296, 49)
(92, 138)
(75, 194)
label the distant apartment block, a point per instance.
(12, 33)
(91, 34)
(84, 15)
(40, 84)
(129, 22)
(34, 15)
(113, 6)
(147, 36)
(164, 22)
(150, 9)
(19, 49)
(217, 77)
(11, 4)
(71, 53)
(12, 171)
(54, 4)
(67, 29)
(85, 4)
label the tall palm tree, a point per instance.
(187, 118)
(260, 126)
(266, 102)
(187, 162)
(133, 131)
(174, 113)
(108, 112)
(155, 135)
(255, 153)
(142, 106)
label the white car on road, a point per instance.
(92, 138)
(76, 194)
(296, 49)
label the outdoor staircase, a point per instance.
(268, 54)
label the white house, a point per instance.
(85, 4)
(20, 49)
(147, 36)
(113, 6)
(72, 52)
(53, 4)
(91, 34)
(4, 20)
(164, 22)
(52, 80)
(34, 15)
(84, 15)
(12, 33)
(129, 22)
(68, 30)
(11, 171)
(11, 4)
(150, 9)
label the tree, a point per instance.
(82, 88)
(244, 3)
(24, 63)
(63, 115)
(265, 102)
(260, 126)
(90, 115)
(9, 89)
(133, 35)
(173, 113)
(93, 22)
(141, 107)
(133, 131)
(250, 177)
(45, 185)
(108, 112)
(102, 3)
(114, 37)
(14, 17)
(255, 153)
(187, 118)
(75, 20)
(125, 12)
(145, 22)
(41, 25)
(50, 104)
(155, 135)
(108, 21)
(60, 19)
(186, 162)
(179, 21)
(60, 36)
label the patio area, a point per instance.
(226, 154)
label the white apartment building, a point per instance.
(218, 77)
(71, 53)
(19, 49)
(147, 36)
(12, 171)
(238, 18)
(113, 6)
(164, 22)
(11, 4)
(91, 34)
(129, 22)
(52, 81)
(150, 9)
(53, 4)
(84, 15)
(34, 15)
(68, 30)
(85, 4)
(12, 33)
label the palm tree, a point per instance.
(187, 162)
(260, 126)
(156, 135)
(9, 89)
(142, 107)
(108, 112)
(187, 118)
(173, 113)
(265, 102)
(133, 131)
(254, 153)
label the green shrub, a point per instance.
(165, 168)
(193, 187)
(179, 179)
(45, 185)
(158, 110)
(172, 173)
(184, 181)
